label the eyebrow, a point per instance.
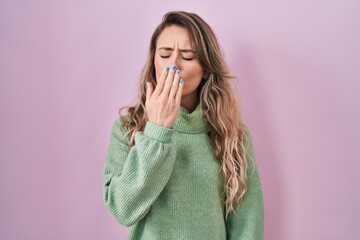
(181, 50)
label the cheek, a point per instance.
(158, 67)
(194, 70)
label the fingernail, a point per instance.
(177, 71)
(167, 69)
(173, 67)
(181, 81)
(146, 86)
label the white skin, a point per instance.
(163, 104)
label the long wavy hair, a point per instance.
(218, 101)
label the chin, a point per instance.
(184, 94)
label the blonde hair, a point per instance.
(217, 99)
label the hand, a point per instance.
(163, 104)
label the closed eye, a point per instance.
(187, 59)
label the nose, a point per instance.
(177, 60)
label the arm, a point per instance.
(248, 222)
(133, 178)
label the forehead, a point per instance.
(173, 36)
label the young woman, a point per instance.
(181, 164)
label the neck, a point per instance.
(189, 102)
(193, 122)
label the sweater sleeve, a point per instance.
(248, 222)
(134, 177)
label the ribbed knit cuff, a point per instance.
(160, 133)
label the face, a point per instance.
(174, 47)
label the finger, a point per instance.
(149, 90)
(179, 92)
(175, 84)
(161, 81)
(169, 81)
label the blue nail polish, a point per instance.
(178, 71)
(173, 67)
(146, 86)
(167, 69)
(181, 81)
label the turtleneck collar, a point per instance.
(193, 122)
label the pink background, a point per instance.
(66, 67)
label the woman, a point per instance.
(179, 163)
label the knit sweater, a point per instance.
(168, 185)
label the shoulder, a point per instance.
(246, 128)
(247, 135)
(250, 152)
(119, 130)
(121, 119)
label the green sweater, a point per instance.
(168, 185)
